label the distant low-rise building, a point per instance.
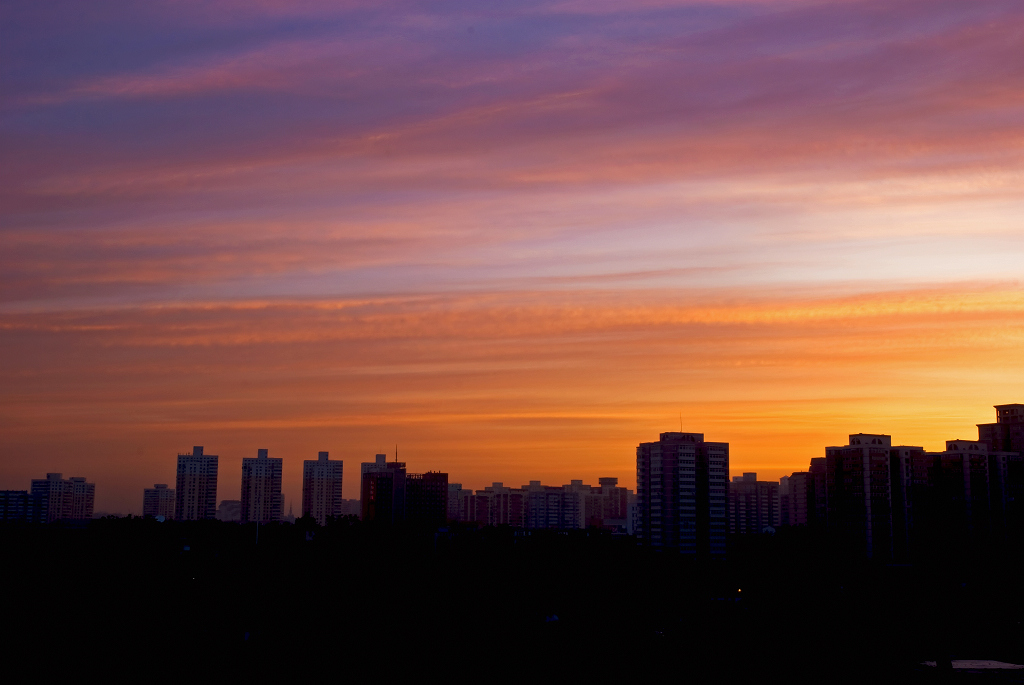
(537, 507)
(351, 507)
(23, 506)
(230, 510)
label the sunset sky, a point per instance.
(513, 238)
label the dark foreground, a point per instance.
(138, 598)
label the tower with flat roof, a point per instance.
(681, 487)
(195, 492)
(262, 501)
(321, 488)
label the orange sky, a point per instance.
(514, 242)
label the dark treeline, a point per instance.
(205, 597)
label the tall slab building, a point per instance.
(868, 494)
(262, 501)
(321, 488)
(681, 487)
(195, 492)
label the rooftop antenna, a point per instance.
(680, 422)
(396, 451)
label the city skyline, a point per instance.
(1008, 430)
(511, 239)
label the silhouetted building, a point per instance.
(230, 510)
(497, 505)
(607, 506)
(633, 517)
(382, 491)
(806, 502)
(965, 494)
(1005, 440)
(262, 501)
(195, 492)
(64, 500)
(426, 498)
(536, 506)
(784, 501)
(546, 507)
(563, 507)
(390, 496)
(455, 503)
(321, 488)
(1007, 433)
(868, 493)
(158, 501)
(21, 505)
(753, 505)
(681, 494)
(351, 507)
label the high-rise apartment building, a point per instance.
(321, 488)
(1007, 433)
(195, 492)
(64, 500)
(868, 494)
(681, 494)
(754, 505)
(262, 501)
(158, 501)
(382, 491)
(390, 496)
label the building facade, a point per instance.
(158, 501)
(64, 500)
(262, 501)
(754, 505)
(382, 491)
(426, 498)
(195, 492)
(21, 505)
(868, 495)
(391, 496)
(805, 505)
(1007, 433)
(681, 493)
(321, 488)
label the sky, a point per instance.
(509, 240)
